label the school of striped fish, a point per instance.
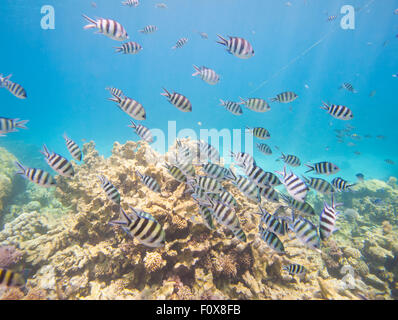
(214, 202)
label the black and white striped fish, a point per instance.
(107, 27)
(131, 3)
(187, 168)
(323, 168)
(338, 111)
(178, 100)
(207, 216)
(232, 107)
(319, 185)
(15, 88)
(58, 163)
(341, 184)
(258, 176)
(327, 219)
(269, 193)
(38, 176)
(183, 153)
(130, 47)
(256, 104)
(110, 190)
(9, 278)
(115, 92)
(133, 108)
(260, 132)
(150, 182)
(331, 18)
(348, 87)
(206, 152)
(208, 184)
(142, 226)
(215, 171)
(143, 132)
(303, 207)
(273, 224)
(248, 188)
(306, 232)
(294, 269)
(10, 125)
(264, 148)
(181, 42)
(291, 160)
(227, 217)
(226, 198)
(243, 159)
(294, 185)
(285, 97)
(149, 29)
(73, 148)
(207, 75)
(272, 240)
(176, 173)
(239, 47)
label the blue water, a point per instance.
(65, 72)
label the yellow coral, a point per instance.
(153, 261)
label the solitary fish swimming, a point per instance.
(107, 27)
(239, 47)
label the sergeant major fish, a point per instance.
(178, 100)
(14, 88)
(143, 132)
(239, 47)
(10, 125)
(338, 111)
(232, 107)
(327, 220)
(294, 185)
(323, 168)
(256, 104)
(110, 190)
(294, 269)
(60, 164)
(319, 185)
(180, 43)
(260, 132)
(73, 148)
(285, 97)
(133, 108)
(264, 148)
(291, 160)
(129, 48)
(207, 75)
(148, 29)
(272, 240)
(144, 227)
(341, 184)
(38, 176)
(131, 3)
(150, 182)
(107, 27)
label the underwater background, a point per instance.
(62, 235)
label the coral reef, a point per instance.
(74, 253)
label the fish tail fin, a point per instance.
(21, 124)
(92, 25)
(306, 180)
(45, 151)
(312, 168)
(166, 93)
(139, 174)
(197, 71)
(125, 219)
(115, 99)
(242, 101)
(132, 125)
(324, 106)
(118, 49)
(222, 40)
(222, 102)
(20, 166)
(273, 99)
